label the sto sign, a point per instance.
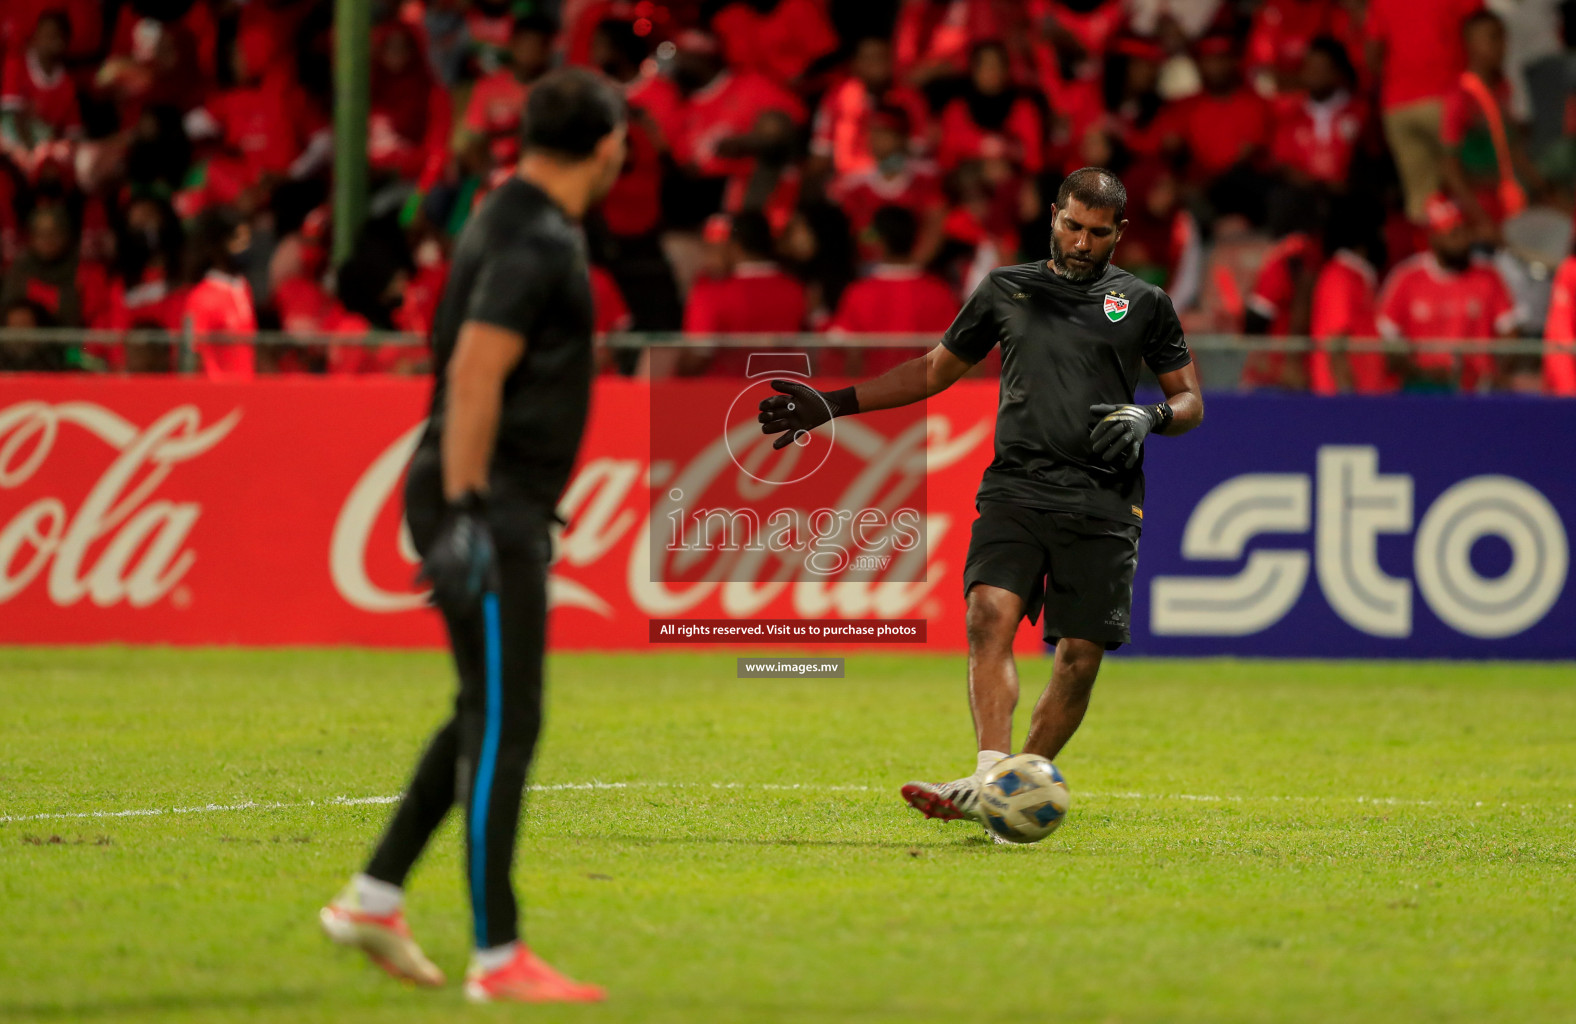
(1356, 503)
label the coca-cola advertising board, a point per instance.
(169, 510)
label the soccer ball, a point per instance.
(1025, 798)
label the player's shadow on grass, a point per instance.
(169, 1002)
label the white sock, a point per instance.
(987, 761)
(494, 958)
(376, 896)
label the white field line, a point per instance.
(358, 801)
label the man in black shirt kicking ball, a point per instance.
(1061, 505)
(513, 365)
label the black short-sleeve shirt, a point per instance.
(1064, 347)
(520, 264)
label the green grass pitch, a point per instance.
(1249, 841)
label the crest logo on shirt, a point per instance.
(1115, 306)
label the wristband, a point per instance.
(1163, 414)
(472, 502)
(843, 401)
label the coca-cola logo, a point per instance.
(608, 505)
(119, 543)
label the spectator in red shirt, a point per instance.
(1071, 41)
(1318, 132)
(992, 119)
(1414, 49)
(634, 207)
(1345, 306)
(29, 356)
(87, 26)
(1224, 131)
(777, 38)
(1559, 333)
(253, 131)
(1280, 306)
(158, 72)
(755, 298)
(219, 304)
(1444, 294)
(896, 297)
(138, 18)
(721, 109)
(1131, 117)
(1484, 151)
(144, 286)
(493, 111)
(1284, 30)
(632, 211)
(38, 99)
(46, 274)
(610, 314)
(411, 115)
(895, 178)
(841, 138)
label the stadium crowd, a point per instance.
(1338, 169)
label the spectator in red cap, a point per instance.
(896, 297)
(755, 298)
(219, 305)
(1484, 151)
(779, 39)
(493, 111)
(1444, 294)
(992, 119)
(1345, 306)
(411, 115)
(1224, 130)
(38, 99)
(1319, 131)
(895, 178)
(1415, 52)
(843, 122)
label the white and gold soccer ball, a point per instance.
(1024, 798)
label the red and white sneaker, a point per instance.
(948, 801)
(527, 978)
(385, 938)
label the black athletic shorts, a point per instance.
(1077, 569)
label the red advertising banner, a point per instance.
(168, 510)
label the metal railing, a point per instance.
(632, 340)
(1220, 356)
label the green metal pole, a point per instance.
(352, 60)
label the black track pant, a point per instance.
(481, 756)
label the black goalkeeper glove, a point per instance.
(800, 408)
(462, 563)
(1119, 436)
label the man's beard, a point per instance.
(1074, 271)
